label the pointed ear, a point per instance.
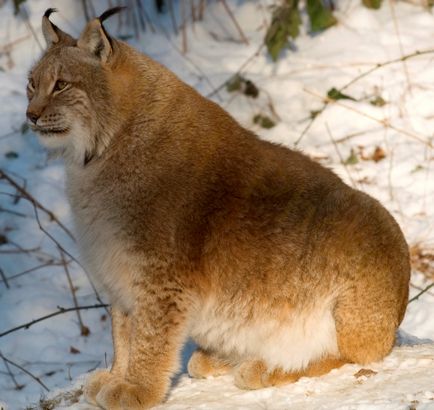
(53, 35)
(95, 38)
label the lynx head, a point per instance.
(70, 103)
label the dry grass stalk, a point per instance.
(356, 79)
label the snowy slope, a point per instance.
(402, 380)
(54, 351)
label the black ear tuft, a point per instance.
(49, 11)
(108, 13)
(53, 35)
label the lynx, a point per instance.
(196, 228)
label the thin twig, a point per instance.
(35, 209)
(11, 375)
(184, 26)
(4, 278)
(202, 74)
(84, 330)
(385, 64)
(234, 20)
(421, 293)
(29, 25)
(44, 265)
(85, 10)
(357, 78)
(12, 212)
(67, 253)
(384, 122)
(353, 183)
(401, 48)
(139, 9)
(60, 311)
(202, 4)
(7, 48)
(240, 69)
(172, 17)
(24, 193)
(131, 16)
(21, 250)
(193, 15)
(37, 379)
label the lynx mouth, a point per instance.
(50, 131)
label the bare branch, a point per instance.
(24, 193)
(4, 278)
(84, 330)
(357, 78)
(234, 20)
(421, 293)
(383, 122)
(58, 312)
(11, 375)
(37, 379)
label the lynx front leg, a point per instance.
(121, 340)
(157, 334)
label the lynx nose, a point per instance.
(32, 116)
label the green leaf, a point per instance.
(263, 121)
(378, 101)
(285, 23)
(372, 4)
(335, 94)
(11, 155)
(320, 17)
(234, 83)
(352, 158)
(239, 83)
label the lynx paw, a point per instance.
(202, 365)
(249, 375)
(94, 383)
(122, 395)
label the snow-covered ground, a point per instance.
(343, 136)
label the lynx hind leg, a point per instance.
(366, 334)
(254, 374)
(203, 364)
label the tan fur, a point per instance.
(195, 227)
(203, 364)
(255, 374)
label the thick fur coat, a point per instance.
(197, 228)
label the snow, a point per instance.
(296, 85)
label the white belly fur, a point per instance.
(291, 343)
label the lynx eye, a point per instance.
(60, 85)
